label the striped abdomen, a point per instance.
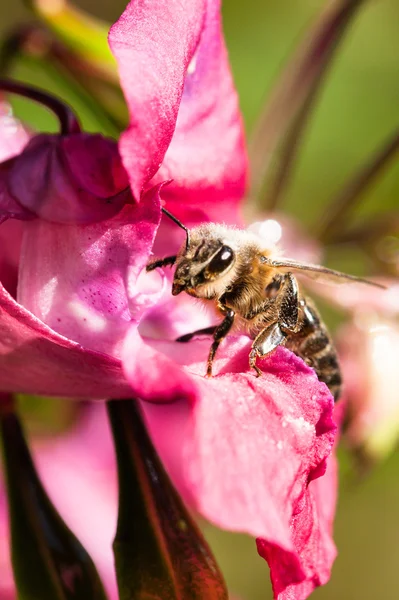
(314, 345)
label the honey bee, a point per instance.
(257, 292)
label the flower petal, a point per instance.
(369, 347)
(10, 247)
(9, 207)
(155, 377)
(80, 280)
(94, 162)
(68, 179)
(206, 158)
(359, 298)
(248, 449)
(312, 529)
(153, 44)
(13, 136)
(36, 360)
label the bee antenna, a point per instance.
(180, 224)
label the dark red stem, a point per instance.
(68, 121)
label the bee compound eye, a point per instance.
(221, 260)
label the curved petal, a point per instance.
(94, 162)
(36, 360)
(245, 452)
(80, 280)
(155, 377)
(312, 530)
(369, 347)
(10, 248)
(13, 136)
(70, 179)
(10, 208)
(206, 158)
(153, 44)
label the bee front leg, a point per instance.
(169, 261)
(189, 336)
(265, 342)
(220, 333)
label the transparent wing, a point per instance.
(320, 273)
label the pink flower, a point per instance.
(70, 177)
(369, 345)
(13, 138)
(88, 324)
(12, 133)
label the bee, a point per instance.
(257, 292)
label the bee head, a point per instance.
(207, 259)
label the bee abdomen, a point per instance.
(314, 345)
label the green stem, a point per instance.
(68, 121)
(37, 48)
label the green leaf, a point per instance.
(160, 553)
(49, 562)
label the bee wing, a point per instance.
(321, 273)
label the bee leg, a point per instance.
(288, 314)
(220, 333)
(163, 262)
(189, 336)
(265, 342)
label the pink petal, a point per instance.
(246, 451)
(70, 179)
(369, 347)
(206, 158)
(153, 44)
(172, 317)
(9, 206)
(81, 279)
(13, 136)
(36, 360)
(94, 162)
(312, 530)
(176, 79)
(10, 247)
(356, 297)
(155, 377)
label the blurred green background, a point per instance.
(357, 111)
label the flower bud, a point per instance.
(369, 350)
